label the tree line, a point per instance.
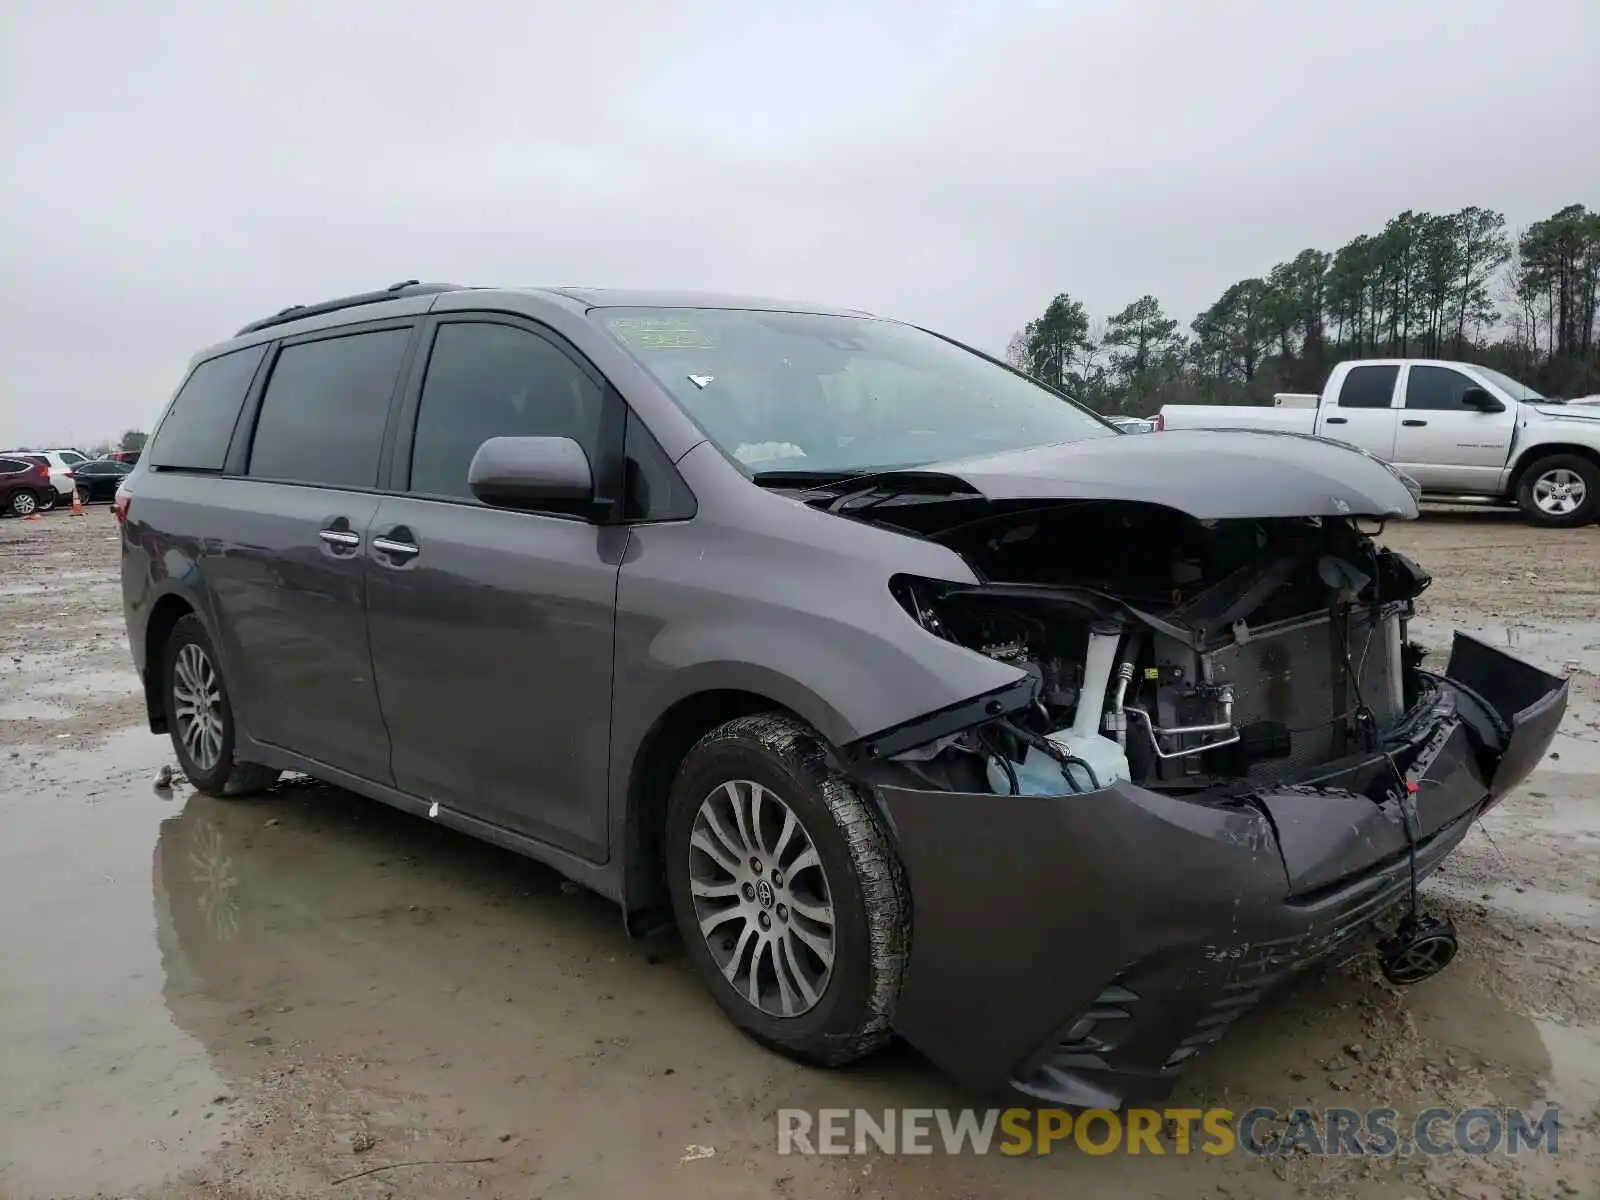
(131, 439)
(1455, 285)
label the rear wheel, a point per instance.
(47, 501)
(200, 717)
(1560, 491)
(23, 504)
(791, 901)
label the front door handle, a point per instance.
(1338, 420)
(1413, 423)
(340, 537)
(396, 549)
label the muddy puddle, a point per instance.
(196, 986)
(103, 1090)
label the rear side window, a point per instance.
(487, 380)
(325, 408)
(1436, 388)
(1368, 387)
(199, 425)
(10, 466)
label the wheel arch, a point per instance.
(164, 617)
(655, 763)
(1533, 454)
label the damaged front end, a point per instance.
(1222, 760)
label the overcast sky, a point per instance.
(171, 169)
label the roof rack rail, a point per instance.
(395, 291)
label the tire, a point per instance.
(817, 1012)
(23, 503)
(47, 502)
(82, 496)
(1561, 491)
(190, 669)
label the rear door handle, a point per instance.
(1338, 420)
(340, 537)
(1413, 422)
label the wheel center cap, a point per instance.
(764, 894)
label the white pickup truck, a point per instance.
(1459, 430)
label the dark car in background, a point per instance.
(25, 487)
(98, 479)
(917, 696)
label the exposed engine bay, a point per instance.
(1213, 758)
(1169, 651)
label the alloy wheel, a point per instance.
(199, 705)
(24, 504)
(761, 898)
(1559, 492)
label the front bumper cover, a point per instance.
(1080, 949)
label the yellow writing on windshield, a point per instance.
(661, 333)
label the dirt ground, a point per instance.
(310, 994)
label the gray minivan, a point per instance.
(922, 699)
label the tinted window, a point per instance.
(1436, 388)
(198, 426)
(72, 458)
(1368, 387)
(325, 407)
(10, 465)
(485, 381)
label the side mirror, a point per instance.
(1478, 398)
(527, 472)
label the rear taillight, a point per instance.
(68, 474)
(120, 508)
(44, 472)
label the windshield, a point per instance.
(781, 391)
(1517, 391)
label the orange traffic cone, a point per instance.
(77, 503)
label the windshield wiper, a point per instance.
(804, 479)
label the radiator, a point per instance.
(1295, 673)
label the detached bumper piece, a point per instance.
(1081, 949)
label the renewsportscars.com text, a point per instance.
(1378, 1132)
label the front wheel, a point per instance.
(791, 901)
(1560, 492)
(200, 717)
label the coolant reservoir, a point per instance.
(1038, 774)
